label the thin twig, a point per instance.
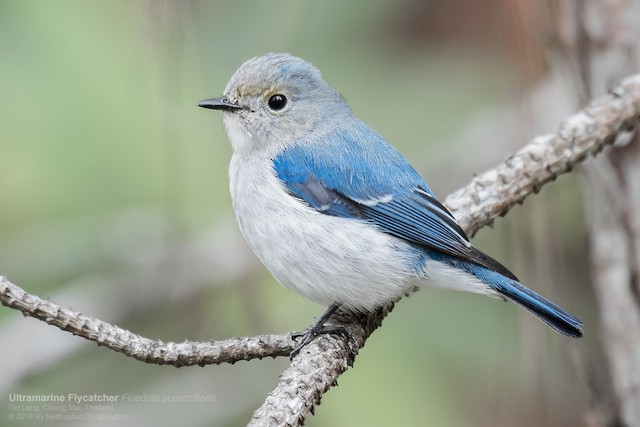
(144, 349)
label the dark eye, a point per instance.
(277, 102)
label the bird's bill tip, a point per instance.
(219, 104)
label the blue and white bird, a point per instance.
(334, 211)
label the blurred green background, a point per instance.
(114, 201)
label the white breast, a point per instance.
(324, 258)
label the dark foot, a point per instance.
(318, 328)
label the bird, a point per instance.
(335, 212)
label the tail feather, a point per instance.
(554, 316)
(507, 286)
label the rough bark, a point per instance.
(608, 44)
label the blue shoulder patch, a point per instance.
(360, 165)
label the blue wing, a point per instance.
(359, 175)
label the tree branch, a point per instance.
(144, 349)
(320, 363)
(584, 134)
(611, 48)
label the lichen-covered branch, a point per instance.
(584, 134)
(316, 369)
(141, 348)
(611, 38)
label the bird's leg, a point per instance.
(318, 328)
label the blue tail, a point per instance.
(557, 318)
(554, 316)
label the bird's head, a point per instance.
(275, 99)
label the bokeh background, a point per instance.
(114, 201)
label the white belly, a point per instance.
(323, 258)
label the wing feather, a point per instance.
(343, 178)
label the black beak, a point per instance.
(219, 104)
